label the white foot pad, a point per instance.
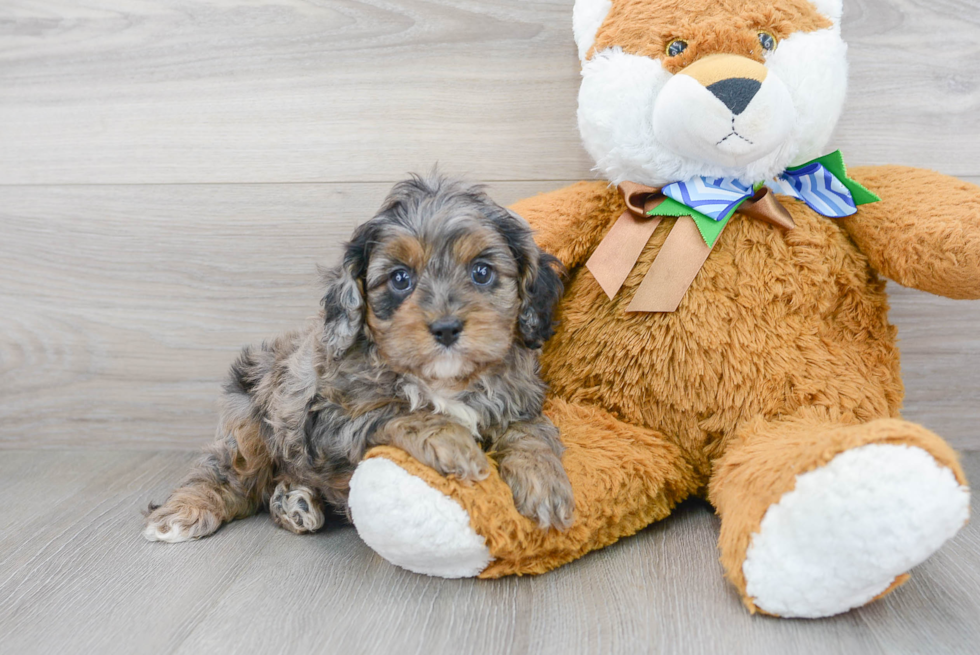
(411, 524)
(849, 528)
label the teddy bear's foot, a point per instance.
(850, 528)
(847, 530)
(411, 524)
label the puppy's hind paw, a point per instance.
(175, 522)
(296, 509)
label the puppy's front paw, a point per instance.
(541, 488)
(455, 452)
(440, 443)
(296, 509)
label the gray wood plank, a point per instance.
(286, 91)
(914, 84)
(122, 307)
(940, 346)
(75, 576)
(69, 578)
(119, 91)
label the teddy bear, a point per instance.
(724, 331)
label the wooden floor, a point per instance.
(76, 576)
(170, 175)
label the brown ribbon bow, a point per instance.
(679, 259)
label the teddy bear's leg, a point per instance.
(818, 517)
(623, 477)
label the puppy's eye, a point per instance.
(767, 41)
(676, 47)
(482, 274)
(400, 280)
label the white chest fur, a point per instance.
(442, 401)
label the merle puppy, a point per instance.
(426, 341)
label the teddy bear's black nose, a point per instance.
(446, 330)
(735, 92)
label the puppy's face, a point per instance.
(442, 300)
(443, 281)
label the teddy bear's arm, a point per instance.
(570, 222)
(925, 231)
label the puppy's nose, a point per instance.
(446, 330)
(735, 92)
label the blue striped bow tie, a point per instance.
(822, 184)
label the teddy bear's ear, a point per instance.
(587, 17)
(832, 9)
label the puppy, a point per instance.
(426, 341)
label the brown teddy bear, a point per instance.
(724, 332)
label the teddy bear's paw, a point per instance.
(847, 530)
(411, 524)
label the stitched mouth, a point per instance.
(735, 134)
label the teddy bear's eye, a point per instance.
(676, 47)
(768, 41)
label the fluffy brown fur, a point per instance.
(427, 341)
(707, 26)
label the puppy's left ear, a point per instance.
(541, 282)
(344, 301)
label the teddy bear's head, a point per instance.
(674, 89)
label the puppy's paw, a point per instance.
(177, 521)
(297, 509)
(440, 443)
(541, 488)
(454, 451)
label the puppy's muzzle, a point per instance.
(446, 330)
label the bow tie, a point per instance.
(704, 207)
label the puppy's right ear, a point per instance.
(344, 301)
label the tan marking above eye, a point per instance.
(406, 250)
(469, 246)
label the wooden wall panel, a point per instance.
(113, 91)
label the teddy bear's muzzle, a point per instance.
(725, 110)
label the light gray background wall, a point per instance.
(171, 172)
